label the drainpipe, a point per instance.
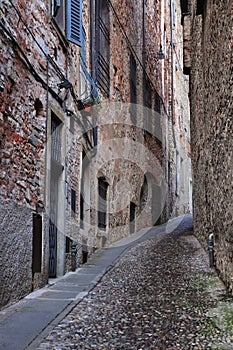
(211, 249)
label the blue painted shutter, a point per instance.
(74, 21)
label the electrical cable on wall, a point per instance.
(135, 54)
(38, 78)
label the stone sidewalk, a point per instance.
(29, 320)
(153, 290)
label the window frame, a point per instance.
(67, 16)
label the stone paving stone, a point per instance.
(156, 297)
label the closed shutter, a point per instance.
(103, 45)
(74, 21)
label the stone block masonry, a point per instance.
(212, 128)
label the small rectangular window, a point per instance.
(95, 136)
(102, 203)
(56, 127)
(133, 87)
(157, 106)
(37, 243)
(68, 245)
(73, 202)
(81, 210)
(147, 101)
(200, 7)
(132, 217)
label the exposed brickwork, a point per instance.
(49, 165)
(25, 141)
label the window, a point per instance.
(83, 82)
(87, 88)
(95, 136)
(200, 7)
(68, 17)
(133, 88)
(68, 245)
(73, 202)
(102, 203)
(132, 217)
(102, 45)
(147, 97)
(37, 243)
(81, 210)
(157, 107)
(144, 194)
(56, 126)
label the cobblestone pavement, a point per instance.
(158, 296)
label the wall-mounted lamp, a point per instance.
(160, 54)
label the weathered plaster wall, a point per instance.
(16, 254)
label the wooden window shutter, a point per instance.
(74, 21)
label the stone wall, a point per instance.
(212, 128)
(120, 137)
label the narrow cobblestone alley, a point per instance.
(156, 297)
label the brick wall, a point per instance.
(28, 93)
(35, 57)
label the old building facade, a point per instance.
(85, 114)
(176, 88)
(208, 58)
